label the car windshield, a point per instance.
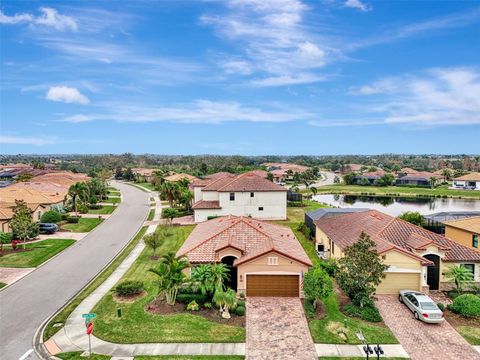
(428, 306)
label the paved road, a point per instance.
(27, 303)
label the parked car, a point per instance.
(422, 306)
(47, 228)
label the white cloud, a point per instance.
(198, 112)
(285, 80)
(66, 94)
(273, 39)
(357, 4)
(22, 140)
(446, 96)
(49, 17)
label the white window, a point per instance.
(272, 260)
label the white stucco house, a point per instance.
(240, 195)
(469, 181)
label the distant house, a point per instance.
(181, 176)
(370, 177)
(263, 259)
(464, 231)
(436, 222)
(241, 195)
(418, 178)
(417, 258)
(312, 216)
(469, 181)
(146, 175)
(283, 171)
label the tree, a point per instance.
(153, 241)
(349, 178)
(186, 198)
(447, 174)
(458, 274)
(360, 271)
(386, 180)
(220, 274)
(5, 238)
(129, 175)
(413, 217)
(225, 300)
(317, 285)
(396, 168)
(170, 271)
(78, 192)
(169, 191)
(51, 217)
(22, 224)
(270, 176)
(203, 278)
(170, 214)
(433, 181)
(118, 173)
(314, 190)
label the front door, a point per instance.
(232, 280)
(433, 272)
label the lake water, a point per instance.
(397, 205)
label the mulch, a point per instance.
(162, 308)
(128, 299)
(458, 320)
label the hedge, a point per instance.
(467, 305)
(72, 219)
(51, 217)
(129, 287)
(188, 298)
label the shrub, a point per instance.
(211, 217)
(242, 295)
(330, 266)
(82, 208)
(193, 306)
(467, 305)
(240, 310)
(15, 243)
(73, 219)
(309, 309)
(129, 287)
(94, 206)
(208, 305)
(188, 298)
(368, 313)
(441, 306)
(241, 303)
(51, 217)
(65, 216)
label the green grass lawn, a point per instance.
(39, 252)
(470, 333)
(62, 316)
(2, 285)
(138, 326)
(113, 200)
(104, 210)
(323, 331)
(396, 191)
(147, 185)
(76, 356)
(151, 214)
(83, 225)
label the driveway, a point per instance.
(423, 341)
(45, 290)
(277, 329)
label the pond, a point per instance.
(397, 205)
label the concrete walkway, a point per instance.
(335, 350)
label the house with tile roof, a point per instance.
(469, 181)
(179, 177)
(242, 195)
(264, 259)
(464, 231)
(418, 178)
(417, 258)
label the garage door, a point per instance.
(394, 282)
(272, 285)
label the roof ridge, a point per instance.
(235, 178)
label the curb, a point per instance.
(37, 342)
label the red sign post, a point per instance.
(89, 332)
(89, 328)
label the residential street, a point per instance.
(27, 303)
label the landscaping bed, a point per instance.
(34, 254)
(136, 325)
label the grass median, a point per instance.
(34, 254)
(62, 316)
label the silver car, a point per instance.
(422, 306)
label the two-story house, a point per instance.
(240, 195)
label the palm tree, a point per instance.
(169, 191)
(447, 174)
(186, 198)
(225, 300)
(314, 190)
(220, 274)
(433, 181)
(459, 274)
(78, 191)
(203, 278)
(170, 271)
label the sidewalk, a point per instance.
(335, 350)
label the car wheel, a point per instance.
(415, 314)
(400, 298)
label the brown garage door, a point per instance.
(272, 285)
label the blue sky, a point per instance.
(240, 77)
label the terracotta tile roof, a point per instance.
(249, 182)
(261, 173)
(287, 166)
(421, 175)
(252, 237)
(30, 196)
(391, 233)
(469, 177)
(216, 183)
(143, 171)
(6, 210)
(178, 177)
(471, 224)
(205, 204)
(408, 170)
(218, 175)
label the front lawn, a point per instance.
(147, 185)
(139, 326)
(470, 333)
(35, 253)
(112, 200)
(104, 210)
(151, 215)
(83, 225)
(441, 191)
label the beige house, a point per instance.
(417, 258)
(264, 259)
(241, 195)
(469, 181)
(464, 231)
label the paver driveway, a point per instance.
(423, 341)
(277, 329)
